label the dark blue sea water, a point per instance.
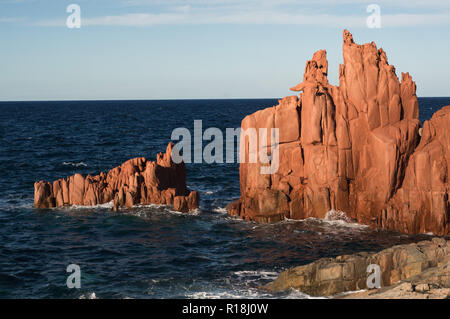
(145, 252)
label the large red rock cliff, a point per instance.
(355, 147)
(136, 181)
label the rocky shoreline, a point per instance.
(419, 270)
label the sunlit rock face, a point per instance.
(355, 148)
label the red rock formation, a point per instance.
(422, 204)
(136, 181)
(353, 147)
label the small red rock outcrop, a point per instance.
(137, 181)
(355, 147)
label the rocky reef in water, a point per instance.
(137, 181)
(419, 270)
(357, 147)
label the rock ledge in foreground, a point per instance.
(411, 269)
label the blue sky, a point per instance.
(169, 49)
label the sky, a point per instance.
(189, 49)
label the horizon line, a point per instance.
(168, 99)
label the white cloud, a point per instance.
(406, 20)
(391, 3)
(12, 19)
(294, 12)
(262, 17)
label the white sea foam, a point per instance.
(335, 215)
(157, 206)
(338, 218)
(328, 222)
(256, 274)
(340, 223)
(297, 294)
(223, 294)
(138, 210)
(221, 210)
(348, 293)
(244, 284)
(108, 205)
(250, 293)
(80, 164)
(162, 209)
(90, 295)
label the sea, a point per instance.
(147, 251)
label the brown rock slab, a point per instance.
(425, 266)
